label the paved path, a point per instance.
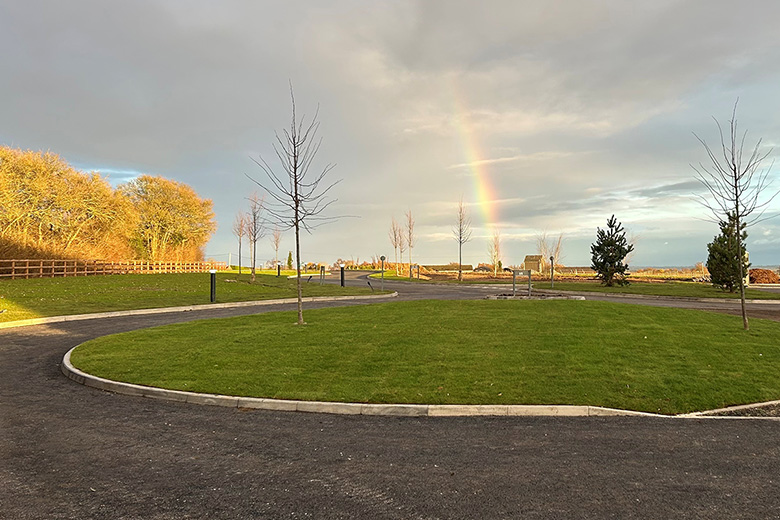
(67, 451)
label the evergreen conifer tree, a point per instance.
(723, 255)
(289, 260)
(609, 251)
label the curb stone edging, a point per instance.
(184, 308)
(398, 410)
(711, 413)
(656, 297)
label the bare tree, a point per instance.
(298, 199)
(494, 250)
(276, 240)
(240, 230)
(462, 233)
(547, 247)
(410, 237)
(397, 240)
(402, 247)
(735, 186)
(255, 228)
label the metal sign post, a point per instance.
(526, 272)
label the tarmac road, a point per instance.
(68, 451)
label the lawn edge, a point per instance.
(184, 308)
(654, 296)
(290, 405)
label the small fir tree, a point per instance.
(608, 253)
(723, 255)
(289, 260)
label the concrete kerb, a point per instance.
(655, 297)
(400, 410)
(186, 308)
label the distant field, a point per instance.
(678, 289)
(39, 297)
(666, 288)
(461, 352)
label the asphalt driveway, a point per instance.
(68, 451)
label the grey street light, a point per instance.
(552, 272)
(382, 258)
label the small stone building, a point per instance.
(533, 262)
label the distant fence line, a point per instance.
(574, 270)
(53, 268)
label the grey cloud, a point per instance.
(603, 94)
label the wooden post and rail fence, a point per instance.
(36, 268)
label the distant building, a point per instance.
(533, 262)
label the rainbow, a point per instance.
(474, 160)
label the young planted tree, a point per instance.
(276, 240)
(494, 250)
(255, 228)
(608, 253)
(239, 231)
(401, 250)
(396, 235)
(410, 237)
(549, 247)
(289, 260)
(736, 186)
(298, 197)
(723, 259)
(462, 233)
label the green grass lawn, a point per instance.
(38, 297)
(476, 352)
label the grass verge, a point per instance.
(40, 297)
(667, 288)
(678, 289)
(477, 352)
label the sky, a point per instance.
(544, 117)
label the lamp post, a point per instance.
(552, 272)
(382, 258)
(342, 274)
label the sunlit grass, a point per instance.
(475, 352)
(38, 297)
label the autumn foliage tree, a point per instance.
(173, 222)
(48, 209)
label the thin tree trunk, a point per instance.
(239, 256)
(740, 259)
(298, 270)
(460, 261)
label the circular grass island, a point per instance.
(501, 352)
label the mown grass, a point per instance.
(38, 297)
(477, 352)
